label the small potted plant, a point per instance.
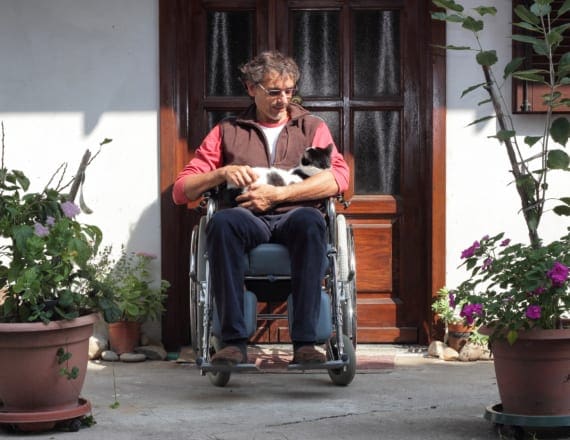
(448, 309)
(138, 298)
(47, 299)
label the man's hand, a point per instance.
(239, 176)
(259, 198)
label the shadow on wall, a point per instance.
(145, 237)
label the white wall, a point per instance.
(481, 198)
(74, 72)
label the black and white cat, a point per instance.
(313, 161)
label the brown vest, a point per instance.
(243, 142)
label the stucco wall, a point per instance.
(481, 198)
(73, 72)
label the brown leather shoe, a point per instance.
(309, 354)
(230, 355)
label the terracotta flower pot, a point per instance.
(458, 335)
(32, 389)
(124, 336)
(533, 374)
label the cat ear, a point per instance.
(329, 148)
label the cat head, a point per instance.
(315, 160)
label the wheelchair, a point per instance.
(267, 278)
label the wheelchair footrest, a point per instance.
(329, 365)
(239, 368)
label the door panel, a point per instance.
(363, 65)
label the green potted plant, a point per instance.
(47, 299)
(448, 310)
(138, 298)
(519, 292)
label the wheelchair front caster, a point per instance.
(218, 378)
(342, 376)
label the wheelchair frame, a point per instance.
(339, 284)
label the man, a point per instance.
(272, 132)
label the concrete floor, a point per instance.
(410, 397)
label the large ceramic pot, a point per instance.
(32, 388)
(533, 374)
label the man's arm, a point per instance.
(205, 171)
(194, 185)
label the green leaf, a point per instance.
(527, 26)
(483, 10)
(473, 25)
(485, 101)
(560, 130)
(541, 48)
(528, 75)
(565, 200)
(486, 118)
(553, 38)
(561, 29)
(66, 299)
(513, 65)
(540, 9)
(564, 8)
(526, 39)
(557, 160)
(105, 141)
(470, 89)
(525, 15)
(451, 18)
(452, 47)
(531, 140)
(562, 210)
(448, 4)
(512, 336)
(504, 135)
(486, 57)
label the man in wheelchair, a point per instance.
(272, 132)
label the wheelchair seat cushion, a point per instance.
(268, 259)
(271, 259)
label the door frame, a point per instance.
(174, 38)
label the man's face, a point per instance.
(272, 109)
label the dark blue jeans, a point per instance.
(231, 233)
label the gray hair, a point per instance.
(255, 70)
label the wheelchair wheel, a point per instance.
(218, 378)
(196, 313)
(346, 263)
(342, 376)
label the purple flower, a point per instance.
(50, 221)
(533, 312)
(469, 311)
(505, 242)
(485, 237)
(558, 274)
(538, 291)
(451, 300)
(487, 263)
(70, 209)
(470, 251)
(40, 230)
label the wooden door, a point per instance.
(365, 70)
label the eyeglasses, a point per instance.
(277, 92)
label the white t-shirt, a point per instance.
(271, 134)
